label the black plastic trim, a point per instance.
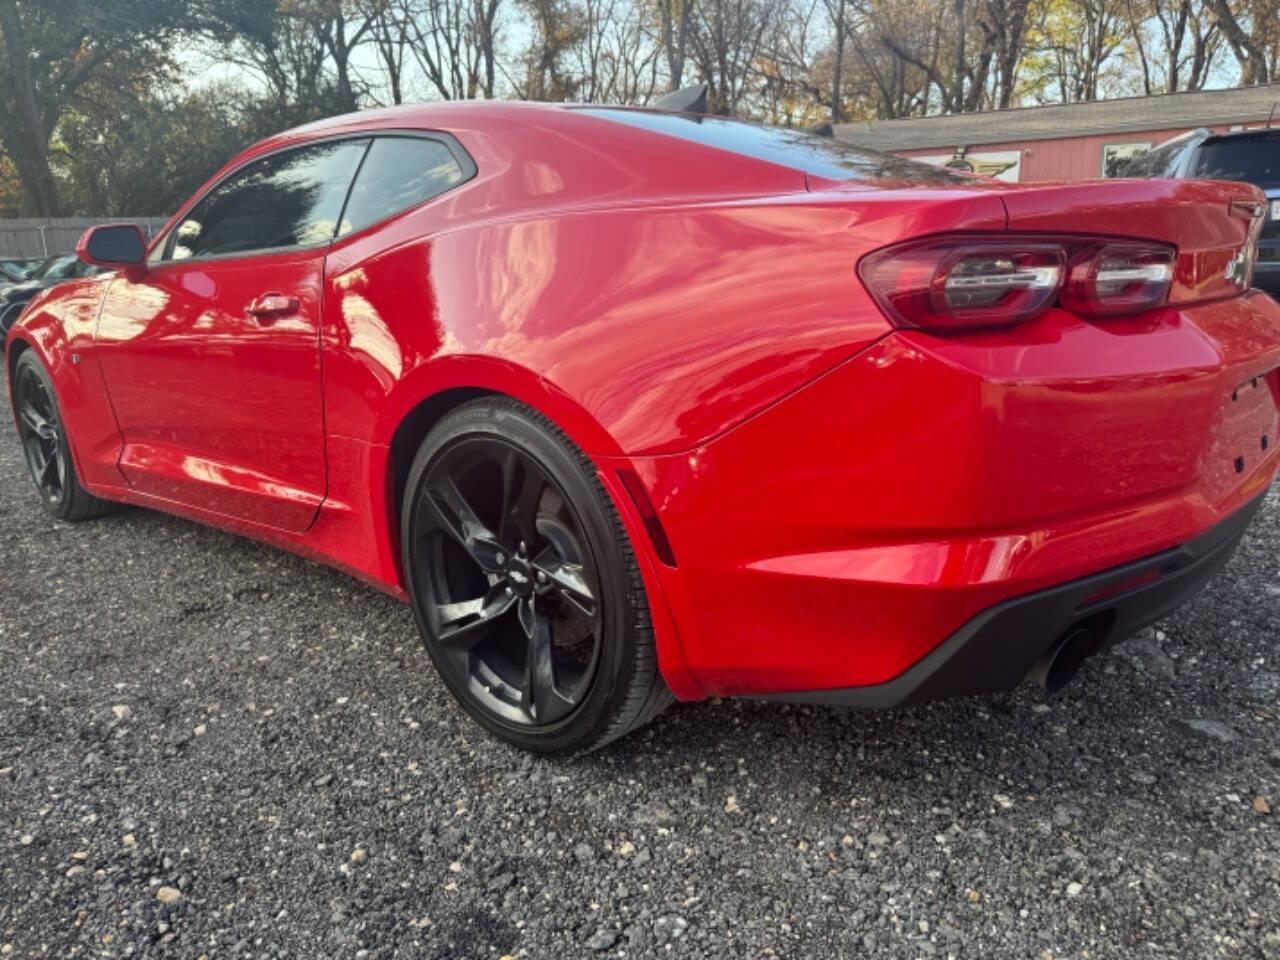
(998, 648)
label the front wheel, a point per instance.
(524, 584)
(45, 443)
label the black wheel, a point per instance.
(524, 584)
(44, 441)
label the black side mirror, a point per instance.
(113, 245)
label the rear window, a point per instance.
(398, 173)
(806, 152)
(1160, 162)
(1250, 159)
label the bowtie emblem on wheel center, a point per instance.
(520, 576)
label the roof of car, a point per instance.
(1264, 133)
(1050, 122)
(415, 114)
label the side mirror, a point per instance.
(113, 245)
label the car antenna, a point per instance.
(685, 100)
(1272, 113)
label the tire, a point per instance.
(524, 584)
(46, 446)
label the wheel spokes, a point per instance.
(463, 624)
(517, 627)
(522, 488)
(567, 580)
(462, 523)
(38, 427)
(539, 697)
(36, 422)
(48, 472)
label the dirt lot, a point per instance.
(208, 747)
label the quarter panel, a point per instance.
(652, 328)
(59, 325)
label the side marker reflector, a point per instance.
(649, 516)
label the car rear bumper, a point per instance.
(1001, 646)
(842, 536)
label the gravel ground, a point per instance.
(210, 748)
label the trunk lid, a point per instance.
(1208, 221)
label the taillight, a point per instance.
(949, 285)
(1112, 278)
(971, 282)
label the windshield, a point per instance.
(55, 268)
(1252, 159)
(806, 152)
(1160, 162)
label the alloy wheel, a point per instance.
(507, 584)
(41, 434)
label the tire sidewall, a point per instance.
(508, 423)
(62, 507)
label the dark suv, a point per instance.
(1251, 156)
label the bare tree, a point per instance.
(1252, 29)
(391, 33)
(676, 20)
(1074, 44)
(557, 29)
(1175, 42)
(453, 42)
(616, 60)
(289, 58)
(727, 38)
(340, 26)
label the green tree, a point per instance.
(148, 157)
(52, 52)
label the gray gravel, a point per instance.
(208, 747)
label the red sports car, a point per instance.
(635, 405)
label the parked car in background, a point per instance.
(55, 270)
(1248, 156)
(633, 404)
(14, 271)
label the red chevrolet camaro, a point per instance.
(635, 405)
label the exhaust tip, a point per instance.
(1059, 665)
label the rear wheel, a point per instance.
(524, 584)
(45, 444)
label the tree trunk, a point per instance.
(836, 112)
(25, 138)
(675, 40)
(1249, 53)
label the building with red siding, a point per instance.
(1076, 141)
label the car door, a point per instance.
(211, 355)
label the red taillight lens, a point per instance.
(950, 285)
(964, 283)
(1112, 278)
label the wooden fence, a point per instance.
(50, 236)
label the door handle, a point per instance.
(272, 305)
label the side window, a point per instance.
(398, 173)
(287, 199)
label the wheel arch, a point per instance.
(456, 381)
(427, 394)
